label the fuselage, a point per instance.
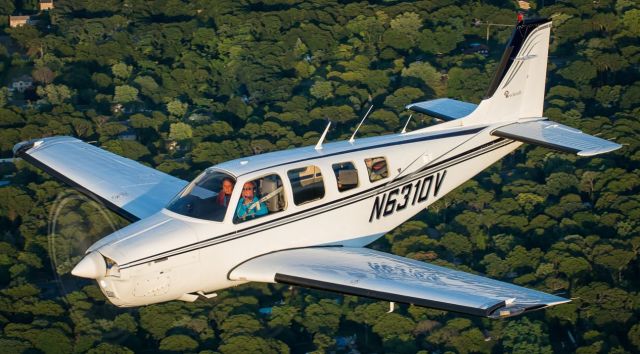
(172, 256)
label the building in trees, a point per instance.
(21, 83)
(17, 21)
(45, 5)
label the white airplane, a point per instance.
(304, 216)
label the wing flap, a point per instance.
(129, 188)
(443, 108)
(556, 136)
(369, 273)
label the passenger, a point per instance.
(225, 193)
(250, 206)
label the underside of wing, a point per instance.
(127, 187)
(556, 136)
(374, 274)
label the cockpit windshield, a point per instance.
(207, 197)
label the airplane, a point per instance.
(303, 216)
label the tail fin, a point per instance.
(517, 88)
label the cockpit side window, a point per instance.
(377, 168)
(260, 197)
(207, 197)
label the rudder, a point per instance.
(517, 88)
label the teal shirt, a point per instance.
(243, 210)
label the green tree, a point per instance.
(408, 23)
(121, 70)
(178, 343)
(15, 346)
(180, 131)
(177, 108)
(444, 39)
(613, 259)
(631, 20)
(402, 97)
(394, 325)
(323, 342)
(282, 316)
(403, 31)
(608, 96)
(428, 74)
(127, 148)
(251, 344)
(456, 243)
(148, 87)
(108, 348)
(466, 84)
(47, 340)
(55, 94)
(579, 72)
(4, 98)
(525, 337)
(322, 316)
(322, 90)
(634, 336)
(239, 325)
(125, 94)
(574, 266)
(7, 7)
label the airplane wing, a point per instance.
(379, 275)
(443, 108)
(127, 187)
(556, 136)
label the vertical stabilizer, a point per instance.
(517, 88)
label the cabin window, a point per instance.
(346, 175)
(207, 197)
(377, 168)
(306, 184)
(260, 197)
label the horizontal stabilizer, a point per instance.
(127, 187)
(556, 136)
(378, 275)
(443, 108)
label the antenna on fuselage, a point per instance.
(404, 129)
(324, 134)
(353, 137)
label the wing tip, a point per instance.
(21, 148)
(600, 150)
(515, 309)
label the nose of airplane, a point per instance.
(92, 266)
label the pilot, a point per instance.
(225, 194)
(250, 206)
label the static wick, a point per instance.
(324, 134)
(353, 137)
(404, 129)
